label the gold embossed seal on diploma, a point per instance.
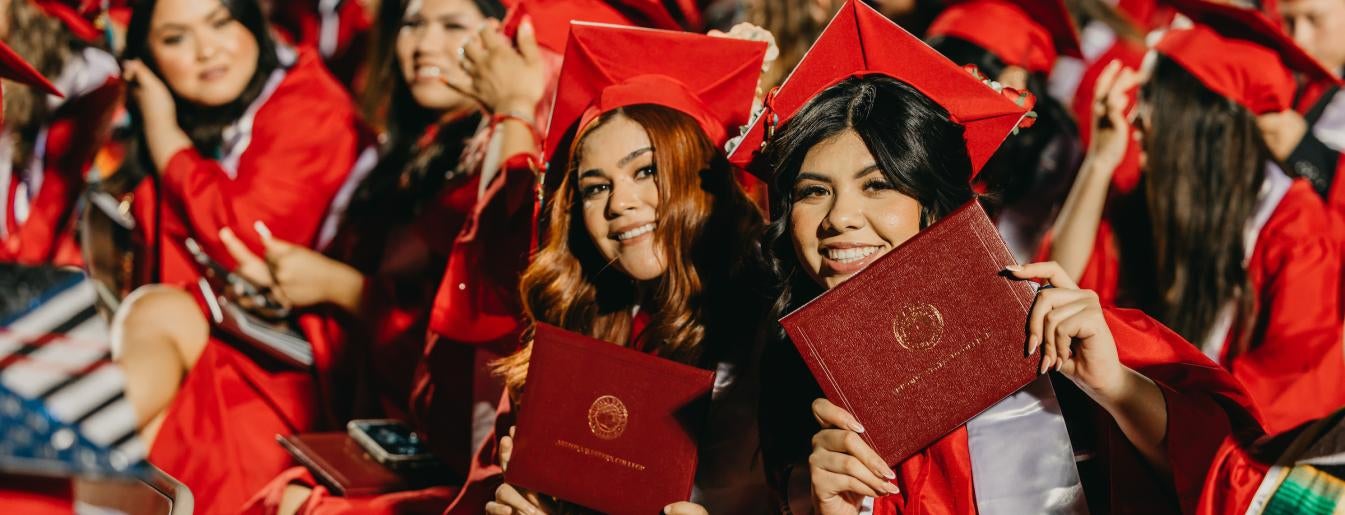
(607, 417)
(918, 327)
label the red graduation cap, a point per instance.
(1240, 54)
(1026, 33)
(606, 67)
(14, 68)
(858, 42)
(80, 16)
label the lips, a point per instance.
(631, 234)
(849, 258)
(215, 73)
(428, 73)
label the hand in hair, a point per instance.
(510, 500)
(1112, 130)
(163, 136)
(503, 78)
(843, 469)
(1068, 325)
(1283, 131)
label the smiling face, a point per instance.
(432, 31)
(619, 197)
(203, 54)
(845, 212)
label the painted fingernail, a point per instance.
(891, 488)
(667, 509)
(889, 473)
(262, 229)
(1033, 341)
(1045, 364)
(1014, 268)
(854, 426)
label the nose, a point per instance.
(207, 45)
(846, 213)
(431, 40)
(622, 199)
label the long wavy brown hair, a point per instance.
(708, 228)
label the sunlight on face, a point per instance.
(204, 55)
(432, 31)
(618, 185)
(845, 213)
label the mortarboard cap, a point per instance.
(1025, 33)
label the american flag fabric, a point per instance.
(63, 409)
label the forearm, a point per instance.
(1077, 224)
(164, 138)
(517, 133)
(1140, 410)
(348, 290)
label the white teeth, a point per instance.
(850, 255)
(429, 71)
(638, 231)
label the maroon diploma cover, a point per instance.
(606, 427)
(923, 339)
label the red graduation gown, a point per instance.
(218, 435)
(1204, 405)
(1294, 369)
(448, 381)
(74, 134)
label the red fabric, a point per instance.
(1294, 369)
(710, 79)
(14, 68)
(860, 41)
(78, 16)
(486, 474)
(218, 435)
(37, 495)
(1204, 405)
(1238, 469)
(1025, 33)
(300, 22)
(74, 134)
(1240, 54)
(322, 501)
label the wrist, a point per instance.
(1115, 389)
(517, 107)
(348, 290)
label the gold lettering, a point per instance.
(975, 342)
(594, 453)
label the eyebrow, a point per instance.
(814, 176)
(179, 26)
(619, 164)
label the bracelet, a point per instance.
(523, 118)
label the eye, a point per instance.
(222, 22)
(809, 191)
(878, 185)
(646, 171)
(591, 191)
(413, 23)
(171, 39)
(453, 26)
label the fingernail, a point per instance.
(1045, 364)
(891, 488)
(667, 509)
(889, 473)
(1014, 268)
(262, 229)
(854, 426)
(1033, 341)
(526, 24)
(225, 233)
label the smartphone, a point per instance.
(391, 443)
(261, 302)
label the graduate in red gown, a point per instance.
(1242, 261)
(340, 32)
(240, 132)
(1297, 471)
(1143, 410)
(49, 141)
(643, 201)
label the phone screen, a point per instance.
(396, 439)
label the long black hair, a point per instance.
(1206, 160)
(918, 149)
(205, 125)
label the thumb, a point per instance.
(275, 247)
(527, 40)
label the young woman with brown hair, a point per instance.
(649, 242)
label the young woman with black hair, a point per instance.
(864, 159)
(1243, 259)
(237, 131)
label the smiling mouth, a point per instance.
(635, 233)
(429, 73)
(849, 255)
